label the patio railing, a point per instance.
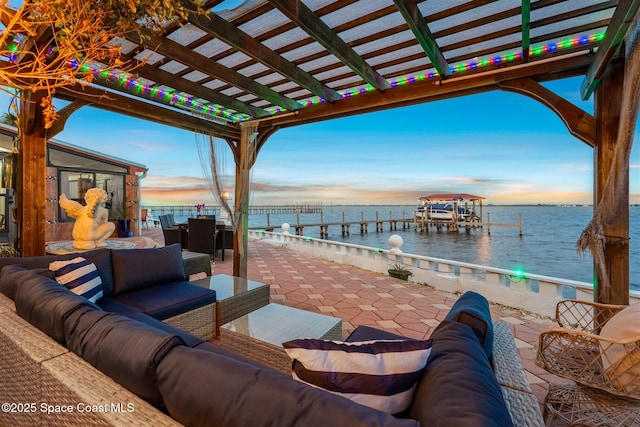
(529, 292)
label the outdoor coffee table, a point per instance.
(259, 335)
(235, 296)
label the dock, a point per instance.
(392, 224)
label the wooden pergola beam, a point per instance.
(179, 53)
(416, 22)
(526, 29)
(233, 36)
(581, 124)
(620, 22)
(63, 115)
(159, 76)
(429, 91)
(116, 85)
(116, 103)
(309, 22)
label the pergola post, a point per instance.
(30, 188)
(241, 214)
(245, 153)
(608, 108)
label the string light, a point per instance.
(480, 63)
(154, 91)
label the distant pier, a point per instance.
(190, 210)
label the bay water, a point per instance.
(546, 247)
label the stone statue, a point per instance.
(92, 225)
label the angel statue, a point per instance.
(92, 225)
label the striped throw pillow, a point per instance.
(79, 276)
(381, 374)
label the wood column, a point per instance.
(241, 219)
(608, 102)
(245, 152)
(31, 185)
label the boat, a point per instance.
(441, 207)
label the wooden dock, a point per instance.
(419, 224)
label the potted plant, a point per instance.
(399, 271)
(123, 224)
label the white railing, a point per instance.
(529, 292)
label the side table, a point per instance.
(235, 296)
(259, 335)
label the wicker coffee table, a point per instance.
(235, 296)
(259, 335)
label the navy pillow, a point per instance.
(140, 268)
(459, 387)
(472, 309)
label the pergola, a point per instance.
(242, 74)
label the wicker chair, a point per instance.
(173, 233)
(224, 239)
(202, 236)
(576, 351)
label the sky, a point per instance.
(499, 145)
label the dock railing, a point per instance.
(528, 292)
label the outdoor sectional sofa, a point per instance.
(65, 360)
(144, 284)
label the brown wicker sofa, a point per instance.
(65, 361)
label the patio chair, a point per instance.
(143, 217)
(173, 234)
(224, 239)
(202, 236)
(603, 361)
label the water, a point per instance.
(547, 246)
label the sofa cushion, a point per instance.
(45, 304)
(621, 362)
(458, 387)
(168, 299)
(472, 309)
(379, 374)
(141, 268)
(215, 348)
(10, 276)
(191, 382)
(114, 306)
(189, 340)
(122, 348)
(79, 276)
(367, 333)
(100, 257)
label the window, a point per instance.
(74, 185)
